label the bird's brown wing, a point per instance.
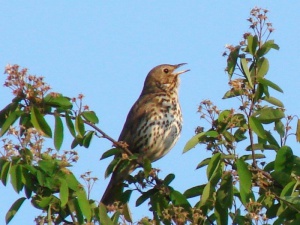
(138, 112)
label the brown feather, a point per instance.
(152, 127)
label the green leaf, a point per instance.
(30, 168)
(228, 136)
(298, 131)
(25, 120)
(58, 101)
(223, 116)
(87, 138)
(25, 123)
(250, 157)
(78, 212)
(266, 47)
(14, 209)
(221, 214)
(269, 167)
(239, 135)
(145, 221)
(280, 177)
(63, 192)
(146, 195)
(125, 196)
(123, 165)
(169, 178)
(58, 132)
(271, 139)
(70, 124)
(27, 180)
(97, 217)
(252, 44)
(48, 166)
(295, 200)
(111, 152)
(42, 202)
(233, 93)
(266, 91)
(225, 192)
(6, 111)
(111, 166)
(127, 214)
(213, 166)
(115, 218)
(238, 120)
(9, 122)
(211, 133)
(256, 126)
(284, 160)
(40, 177)
(262, 67)
(269, 83)
(262, 141)
(206, 194)
(77, 141)
(274, 46)
(223, 120)
(79, 126)
(261, 146)
(147, 166)
(270, 115)
(158, 204)
(232, 60)
(179, 199)
(245, 181)
(90, 116)
(72, 181)
(104, 218)
(259, 92)
(16, 177)
(245, 68)
(39, 122)
(280, 128)
(288, 189)
(204, 162)
(273, 101)
(84, 204)
(5, 170)
(194, 191)
(193, 142)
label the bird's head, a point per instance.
(163, 78)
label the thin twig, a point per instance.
(118, 144)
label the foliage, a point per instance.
(241, 187)
(240, 179)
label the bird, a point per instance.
(153, 124)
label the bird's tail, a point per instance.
(115, 186)
(113, 190)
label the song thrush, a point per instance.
(153, 124)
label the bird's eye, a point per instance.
(166, 70)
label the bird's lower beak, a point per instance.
(183, 71)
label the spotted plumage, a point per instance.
(153, 124)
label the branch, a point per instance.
(118, 144)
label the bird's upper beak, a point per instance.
(182, 71)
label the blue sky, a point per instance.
(104, 50)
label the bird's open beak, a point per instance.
(182, 71)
